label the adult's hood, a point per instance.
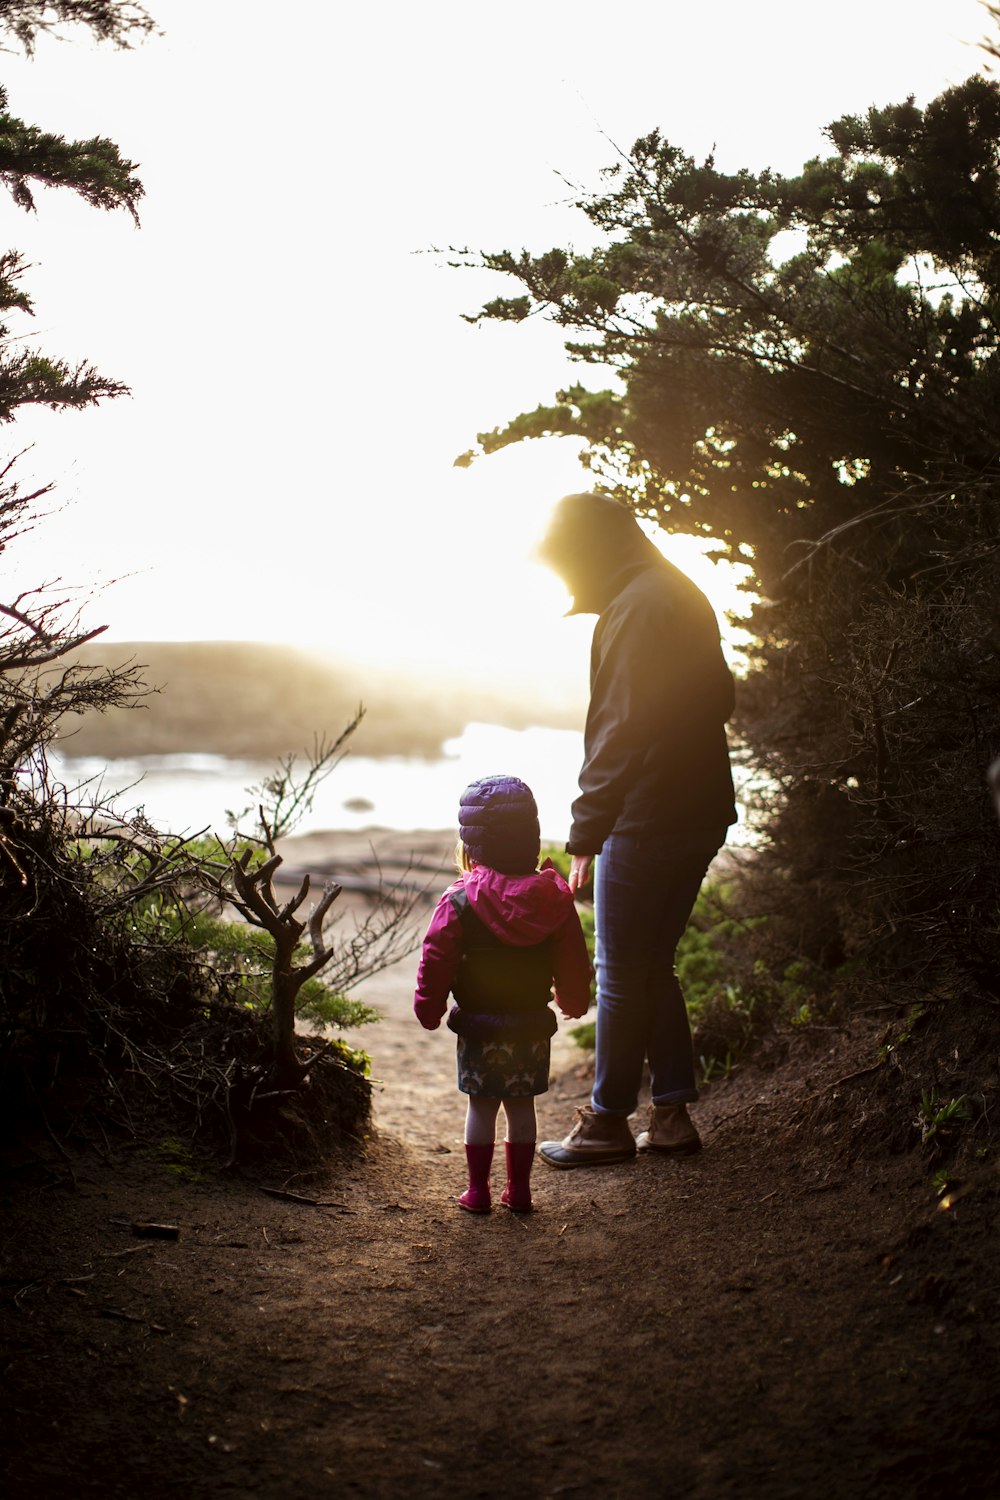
(596, 547)
(520, 909)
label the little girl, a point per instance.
(498, 940)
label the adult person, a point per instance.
(656, 799)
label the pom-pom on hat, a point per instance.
(498, 821)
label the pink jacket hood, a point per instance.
(520, 909)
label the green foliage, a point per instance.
(93, 168)
(941, 1181)
(317, 1002)
(702, 966)
(716, 1069)
(937, 1118)
(245, 956)
(506, 309)
(351, 1058)
(900, 1034)
(724, 999)
(28, 378)
(179, 1160)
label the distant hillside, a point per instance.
(259, 701)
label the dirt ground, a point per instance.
(770, 1319)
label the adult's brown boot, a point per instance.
(670, 1130)
(595, 1141)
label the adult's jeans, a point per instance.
(644, 890)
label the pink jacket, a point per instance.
(521, 910)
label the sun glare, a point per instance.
(722, 582)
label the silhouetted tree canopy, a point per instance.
(93, 168)
(116, 21)
(807, 373)
(96, 170)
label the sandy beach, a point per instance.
(413, 855)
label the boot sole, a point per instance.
(594, 1160)
(689, 1150)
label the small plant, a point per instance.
(937, 1117)
(714, 1069)
(941, 1181)
(178, 1160)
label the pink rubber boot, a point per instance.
(520, 1159)
(476, 1197)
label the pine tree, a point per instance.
(95, 169)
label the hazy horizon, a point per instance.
(258, 700)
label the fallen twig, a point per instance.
(300, 1198)
(861, 1073)
(156, 1231)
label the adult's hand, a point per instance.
(579, 871)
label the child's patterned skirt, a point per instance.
(503, 1069)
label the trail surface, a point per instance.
(764, 1320)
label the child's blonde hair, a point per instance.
(463, 859)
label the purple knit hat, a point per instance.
(498, 821)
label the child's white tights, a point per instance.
(481, 1120)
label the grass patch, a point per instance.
(178, 1160)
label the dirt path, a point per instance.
(760, 1321)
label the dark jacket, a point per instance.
(656, 761)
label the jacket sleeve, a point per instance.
(439, 960)
(571, 968)
(619, 728)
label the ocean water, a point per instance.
(187, 793)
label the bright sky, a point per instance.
(301, 376)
